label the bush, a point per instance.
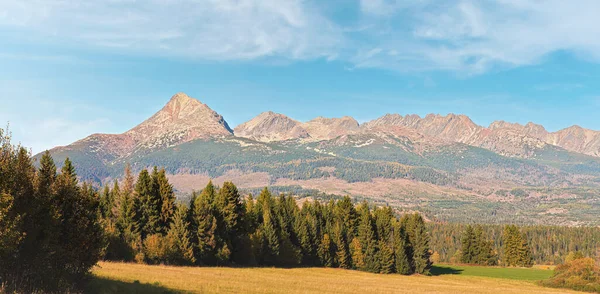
(581, 274)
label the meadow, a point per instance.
(112, 277)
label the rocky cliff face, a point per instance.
(269, 127)
(322, 128)
(273, 127)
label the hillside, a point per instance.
(446, 166)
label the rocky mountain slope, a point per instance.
(181, 120)
(414, 161)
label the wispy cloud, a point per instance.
(467, 37)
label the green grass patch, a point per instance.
(522, 274)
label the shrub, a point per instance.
(581, 274)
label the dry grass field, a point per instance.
(137, 278)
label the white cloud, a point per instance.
(231, 29)
(460, 36)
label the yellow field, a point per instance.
(120, 277)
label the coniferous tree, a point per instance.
(306, 239)
(358, 258)
(468, 246)
(166, 201)
(80, 232)
(206, 226)
(232, 217)
(326, 251)
(386, 258)
(147, 204)
(180, 246)
(516, 248)
(343, 255)
(366, 236)
(402, 252)
(418, 240)
(270, 243)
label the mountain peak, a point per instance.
(182, 119)
(180, 97)
(270, 126)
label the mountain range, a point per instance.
(446, 166)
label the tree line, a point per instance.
(545, 244)
(144, 223)
(476, 248)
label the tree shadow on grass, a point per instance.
(437, 270)
(99, 285)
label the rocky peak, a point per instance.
(322, 128)
(269, 126)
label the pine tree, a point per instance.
(418, 238)
(166, 202)
(402, 252)
(181, 249)
(306, 240)
(468, 246)
(358, 258)
(80, 232)
(386, 258)
(343, 256)
(326, 251)
(147, 205)
(366, 236)
(206, 226)
(524, 252)
(231, 213)
(271, 246)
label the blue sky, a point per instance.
(71, 68)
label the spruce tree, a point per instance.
(232, 216)
(182, 251)
(80, 232)
(206, 226)
(368, 242)
(468, 241)
(147, 205)
(166, 202)
(271, 246)
(418, 239)
(402, 254)
(326, 251)
(386, 258)
(358, 258)
(343, 255)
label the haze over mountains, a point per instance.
(405, 161)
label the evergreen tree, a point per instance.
(418, 240)
(181, 249)
(343, 256)
(206, 226)
(358, 258)
(306, 240)
(80, 233)
(516, 248)
(366, 236)
(167, 201)
(469, 243)
(386, 258)
(270, 243)
(232, 214)
(326, 251)
(147, 205)
(402, 254)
